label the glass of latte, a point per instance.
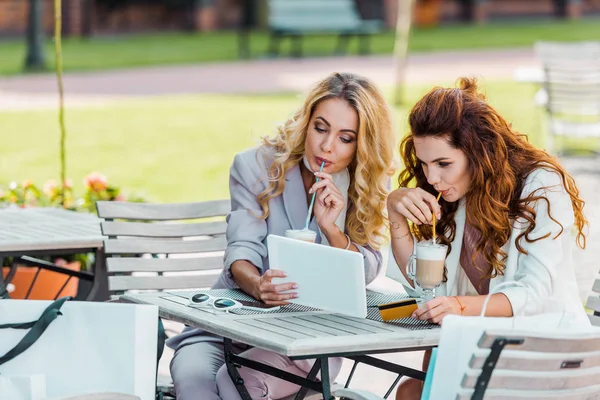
(426, 267)
(301, 234)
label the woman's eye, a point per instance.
(319, 129)
(345, 140)
(443, 164)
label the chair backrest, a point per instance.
(563, 365)
(313, 15)
(147, 249)
(549, 52)
(573, 89)
(593, 303)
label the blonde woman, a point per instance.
(345, 124)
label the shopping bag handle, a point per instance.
(37, 329)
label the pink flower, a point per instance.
(68, 184)
(27, 184)
(96, 181)
(50, 187)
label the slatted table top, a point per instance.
(45, 228)
(296, 334)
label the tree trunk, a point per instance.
(35, 38)
(403, 24)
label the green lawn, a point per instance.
(179, 148)
(178, 48)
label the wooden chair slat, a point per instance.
(588, 393)
(593, 303)
(519, 361)
(136, 264)
(158, 230)
(143, 246)
(528, 380)
(596, 287)
(162, 212)
(594, 319)
(546, 343)
(121, 283)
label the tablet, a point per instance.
(328, 278)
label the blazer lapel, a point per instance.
(294, 198)
(452, 262)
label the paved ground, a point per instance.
(89, 89)
(261, 76)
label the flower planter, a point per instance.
(427, 12)
(46, 286)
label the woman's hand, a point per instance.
(270, 293)
(436, 309)
(329, 201)
(415, 204)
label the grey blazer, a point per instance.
(247, 234)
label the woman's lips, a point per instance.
(321, 160)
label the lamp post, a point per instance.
(35, 38)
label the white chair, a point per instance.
(186, 255)
(509, 365)
(570, 92)
(573, 105)
(593, 303)
(147, 248)
(550, 52)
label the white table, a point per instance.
(300, 335)
(53, 231)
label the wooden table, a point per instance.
(301, 335)
(53, 231)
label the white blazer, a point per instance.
(547, 268)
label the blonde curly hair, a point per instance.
(369, 171)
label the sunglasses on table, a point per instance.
(218, 303)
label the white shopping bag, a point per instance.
(460, 337)
(90, 348)
(22, 387)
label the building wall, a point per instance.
(81, 17)
(13, 16)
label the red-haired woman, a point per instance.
(507, 212)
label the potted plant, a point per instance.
(26, 194)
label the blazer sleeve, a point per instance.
(373, 261)
(538, 269)
(245, 229)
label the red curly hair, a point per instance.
(499, 160)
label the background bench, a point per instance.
(296, 18)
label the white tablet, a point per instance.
(328, 278)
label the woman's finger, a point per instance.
(271, 297)
(416, 211)
(427, 306)
(432, 202)
(425, 209)
(402, 210)
(284, 286)
(325, 183)
(431, 313)
(275, 302)
(324, 175)
(274, 273)
(327, 196)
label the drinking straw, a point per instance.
(312, 201)
(433, 217)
